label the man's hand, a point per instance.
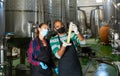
(75, 29)
(66, 44)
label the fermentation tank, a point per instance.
(111, 14)
(64, 10)
(18, 14)
(82, 21)
(109, 10)
(96, 17)
(2, 18)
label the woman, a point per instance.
(39, 54)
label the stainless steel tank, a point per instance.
(64, 10)
(111, 13)
(18, 14)
(1, 53)
(82, 21)
(52, 11)
(47, 8)
(70, 11)
(96, 18)
(109, 10)
(2, 17)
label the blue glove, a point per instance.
(56, 70)
(44, 66)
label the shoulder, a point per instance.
(56, 36)
(34, 41)
(54, 39)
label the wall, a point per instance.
(87, 6)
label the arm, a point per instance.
(60, 52)
(79, 36)
(56, 49)
(30, 55)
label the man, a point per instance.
(68, 62)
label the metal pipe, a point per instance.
(89, 6)
(1, 53)
(67, 10)
(61, 10)
(41, 11)
(75, 11)
(2, 18)
(36, 11)
(51, 19)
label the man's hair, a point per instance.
(58, 21)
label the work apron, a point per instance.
(69, 64)
(38, 71)
(44, 56)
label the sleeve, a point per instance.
(75, 38)
(30, 55)
(55, 46)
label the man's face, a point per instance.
(57, 25)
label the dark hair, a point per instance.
(40, 27)
(42, 24)
(58, 21)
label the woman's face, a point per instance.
(43, 28)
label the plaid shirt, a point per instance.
(35, 53)
(33, 49)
